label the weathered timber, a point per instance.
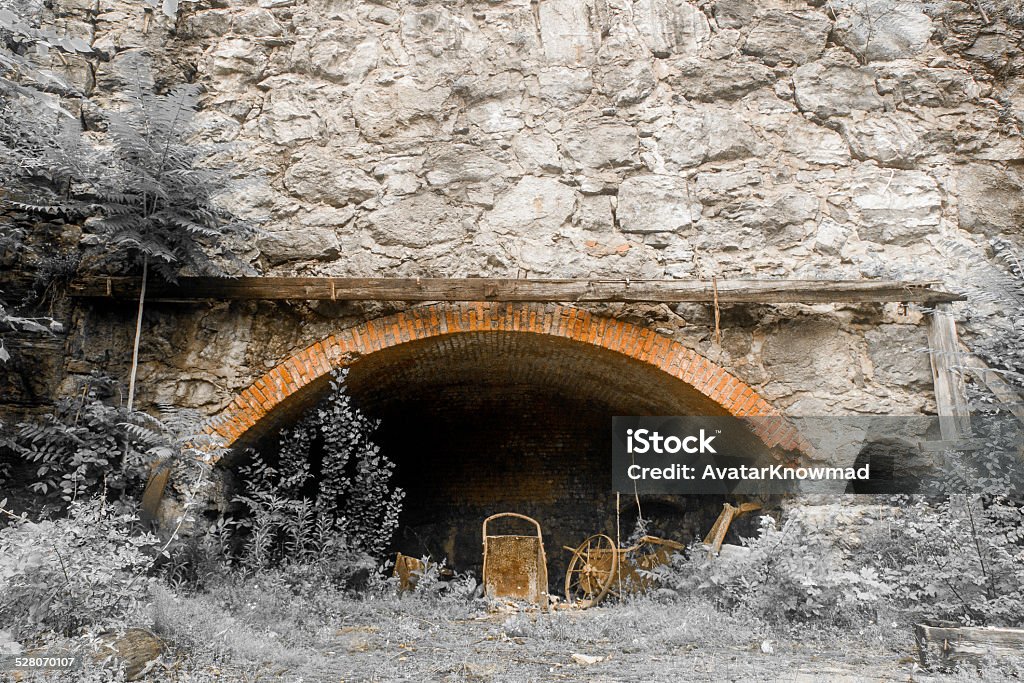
(498, 289)
(950, 391)
(941, 647)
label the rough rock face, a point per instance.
(625, 138)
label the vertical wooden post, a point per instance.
(950, 391)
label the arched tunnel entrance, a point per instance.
(502, 414)
(488, 422)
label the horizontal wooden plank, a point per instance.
(942, 646)
(498, 289)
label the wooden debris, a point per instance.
(408, 569)
(942, 647)
(716, 536)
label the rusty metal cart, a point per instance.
(515, 566)
(598, 568)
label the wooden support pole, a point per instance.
(950, 391)
(499, 289)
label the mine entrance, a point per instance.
(487, 422)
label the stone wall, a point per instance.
(569, 138)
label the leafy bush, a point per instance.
(956, 559)
(329, 489)
(81, 448)
(787, 573)
(82, 570)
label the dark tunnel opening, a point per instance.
(487, 422)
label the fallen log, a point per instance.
(942, 647)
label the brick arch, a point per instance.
(313, 364)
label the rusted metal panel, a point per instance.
(408, 570)
(515, 566)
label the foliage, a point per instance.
(6, 448)
(141, 188)
(82, 448)
(787, 573)
(22, 38)
(955, 559)
(178, 439)
(89, 446)
(144, 194)
(1001, 284)
(53, 274)
(156, 202)
(329, 481)
(51, 168)
(313, 517)
(77, 571)
(92, 566)
(435, 583)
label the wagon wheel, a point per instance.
(591, 570)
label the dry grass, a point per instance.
(259, 630)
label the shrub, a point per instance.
(957, 559)
(81, 448)
(787, 573)
(86, 569)
(329, 490)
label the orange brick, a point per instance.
(661, 353)
(258, 401)
(260, 396)
(738, 392)
(649, 338)
(721, 386)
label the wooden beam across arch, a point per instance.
(516, 290)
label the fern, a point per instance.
(144, 196)
(158, 203)
(80, 450)
(999, 283)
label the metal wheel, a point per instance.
(591, 571)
